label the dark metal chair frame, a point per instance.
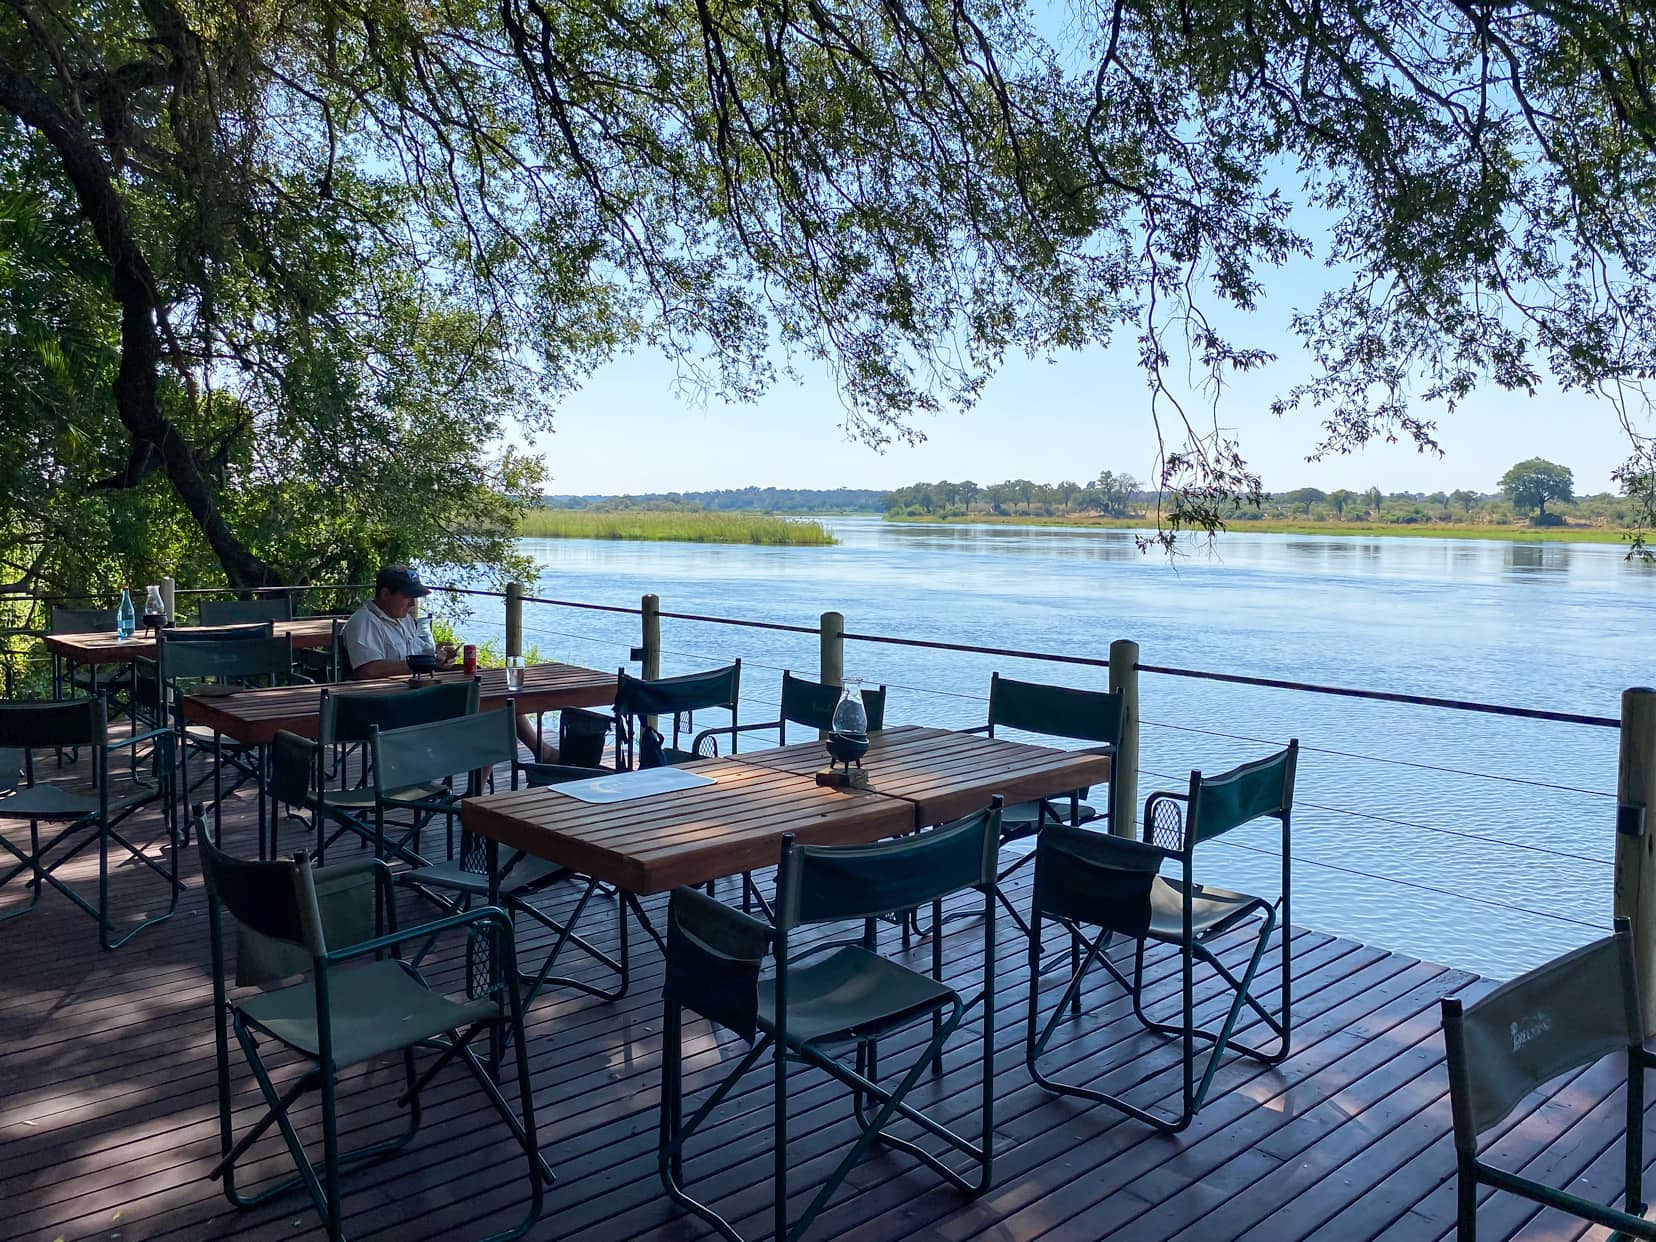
(285, 912)
(1087, 878)
(1578, 981)
(88, 815)
(714, 957)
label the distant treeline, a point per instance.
(1538, 490)
(754, 499)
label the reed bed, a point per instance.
(675, 526)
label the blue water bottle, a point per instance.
(125, 619)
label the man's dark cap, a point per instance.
(401, 579)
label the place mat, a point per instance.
(625, 786)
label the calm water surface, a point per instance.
(1490, 874)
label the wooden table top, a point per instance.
(256, 716)
(102, 647)
(945, 774)
(689, 836)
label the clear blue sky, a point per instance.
(626, 431)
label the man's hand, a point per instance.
(445, 655)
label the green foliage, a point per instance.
(1531, 484)
(682, 526)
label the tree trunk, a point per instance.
(136, 382)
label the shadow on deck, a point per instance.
(108, 1119)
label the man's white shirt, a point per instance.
(371, 635)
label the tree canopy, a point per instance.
(1531, 484)
(282, 284)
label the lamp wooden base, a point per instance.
(842, 778)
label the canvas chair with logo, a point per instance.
(1569, 1013)
(243, 611)
(1087, 879)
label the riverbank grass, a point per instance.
(1517, 533)
(675, 526)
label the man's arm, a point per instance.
(381, 668)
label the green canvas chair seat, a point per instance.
(361, 1003)
(363, 798)
(376, 1008)
(853, 993)
(829, 995)
(1024, 819)
(1212, 910)
(1564, 1015)
(56, 801)
(1088, 879)
(526, 874)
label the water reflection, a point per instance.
(1528, 559)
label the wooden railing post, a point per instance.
(514, 618)
(831, 635)
(650, 619)
(1635, 842)
(1124, 676)
(169, 598)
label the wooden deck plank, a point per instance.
(109, 1106)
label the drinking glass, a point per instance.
(514, 674)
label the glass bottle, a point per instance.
(850, 716)
(125, 621)
(155, 611)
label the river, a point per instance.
(1473, 840)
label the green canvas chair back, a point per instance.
(674, 697)
(1058, 711)
(667, 696)
(811, 703)
(216, 633)
(241, 611)
(286, 912)
(442, 748)
(1096, 878)
(1569, 1013)
(835, 883)
(75, 722)
(714, 956)
(228, 659)
(352, 717)
(292, 765)
(82, 620)
(1263, 788)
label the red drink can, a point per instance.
(469, 657)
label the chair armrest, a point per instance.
(982, 728)
(139, 738)
(482, 915)
(1171, 800)
(299, 679)
(733, 730)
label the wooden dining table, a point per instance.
(102, 647)
(943, 774)
(255, 716)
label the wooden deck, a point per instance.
(108, 1118)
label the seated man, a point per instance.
(382, 633)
